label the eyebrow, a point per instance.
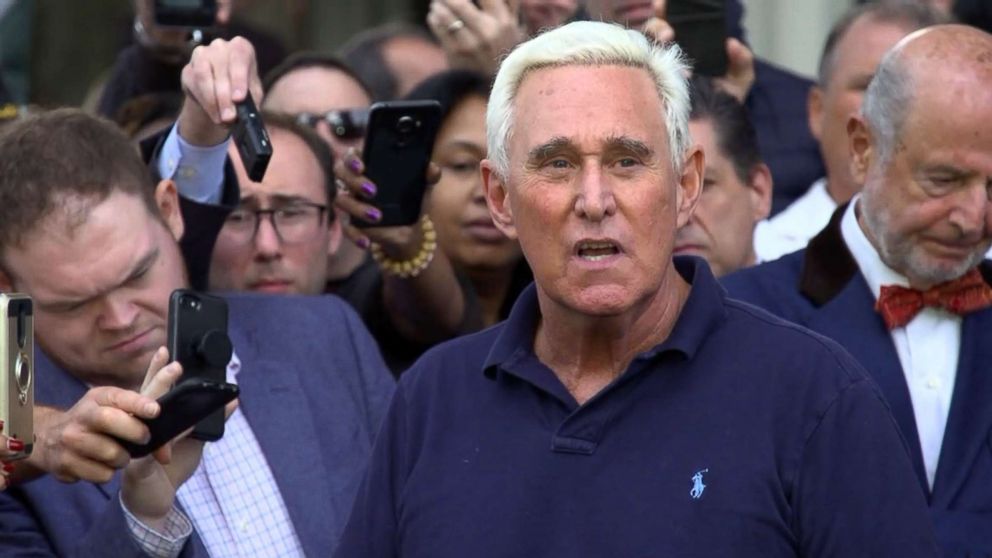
(559, 144)
(275, 199)
(140, 268)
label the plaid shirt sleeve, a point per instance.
(167, 544)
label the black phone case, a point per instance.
(252, 139)
(197, 15)
(398, 147)
(701, 31)
(198, 340)
(183, 406)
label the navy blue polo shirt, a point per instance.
(740, 435)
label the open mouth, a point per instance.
(596, 250)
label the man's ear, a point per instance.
(761, 185)
(498, 199)
(860, 148)
(690, 184)
(167, 200)
(814, 111)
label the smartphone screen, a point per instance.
(701, 31)
(398, 147)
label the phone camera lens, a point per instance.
(405, 125)
(22, 375)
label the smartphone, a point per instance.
(193, 14)
(251, 139)
(17, 359)
(186, 404)
(701, 31)
(398, 147)
(197, 338)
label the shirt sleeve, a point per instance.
(197, 171)
(856, 492)
(167, 544)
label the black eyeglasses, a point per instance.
(347, 124)
(294, 223)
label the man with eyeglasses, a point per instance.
(277, 239)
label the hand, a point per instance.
(355, 190)
(149, 484)
(80, 444)
(9, 449)
(740, 60)
(476, 37)
(217, 77)
(740, 70)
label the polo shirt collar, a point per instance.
(703, 312)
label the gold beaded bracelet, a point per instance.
(415, 265)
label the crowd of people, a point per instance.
(642, 312)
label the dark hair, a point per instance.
(139, 112)
(317, 146)
(911, 15)
(309, 59)
(363, 52)
(65, 155)
(731, 122)
(450, 88)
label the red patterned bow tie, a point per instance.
(898, 305)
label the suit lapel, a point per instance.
(274, 404)
(844, 310)
(970, 417)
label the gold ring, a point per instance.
(454, 26)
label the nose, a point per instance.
(972, 215)
(595, 199)
(118, 313)
(267, 243)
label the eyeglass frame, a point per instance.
(345, 124)
(257, 214)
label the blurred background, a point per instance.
(58, 52)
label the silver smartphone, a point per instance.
(17, 359)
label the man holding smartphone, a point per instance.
(98, 251)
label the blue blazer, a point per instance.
(313, 388)
(822, 288)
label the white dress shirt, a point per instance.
(794, 226)
(197, 171)
(927, 346)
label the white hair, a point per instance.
(588, 43)
(886, 102)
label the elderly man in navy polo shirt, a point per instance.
(626, 407)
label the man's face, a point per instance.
(317, 91)
(721, 229)
(102, 289)
(591, 192)
(287, 251)
(629, 13)
(927, 209)
(830, 105)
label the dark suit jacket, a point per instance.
(822, 288)
(313, 406)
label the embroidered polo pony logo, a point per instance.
(697, 485)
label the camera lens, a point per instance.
(405, 125)
(22, 374)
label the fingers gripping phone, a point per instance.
(197, 338)
(701, 32)
(398, 147)
(17, 359)
(186, 404)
